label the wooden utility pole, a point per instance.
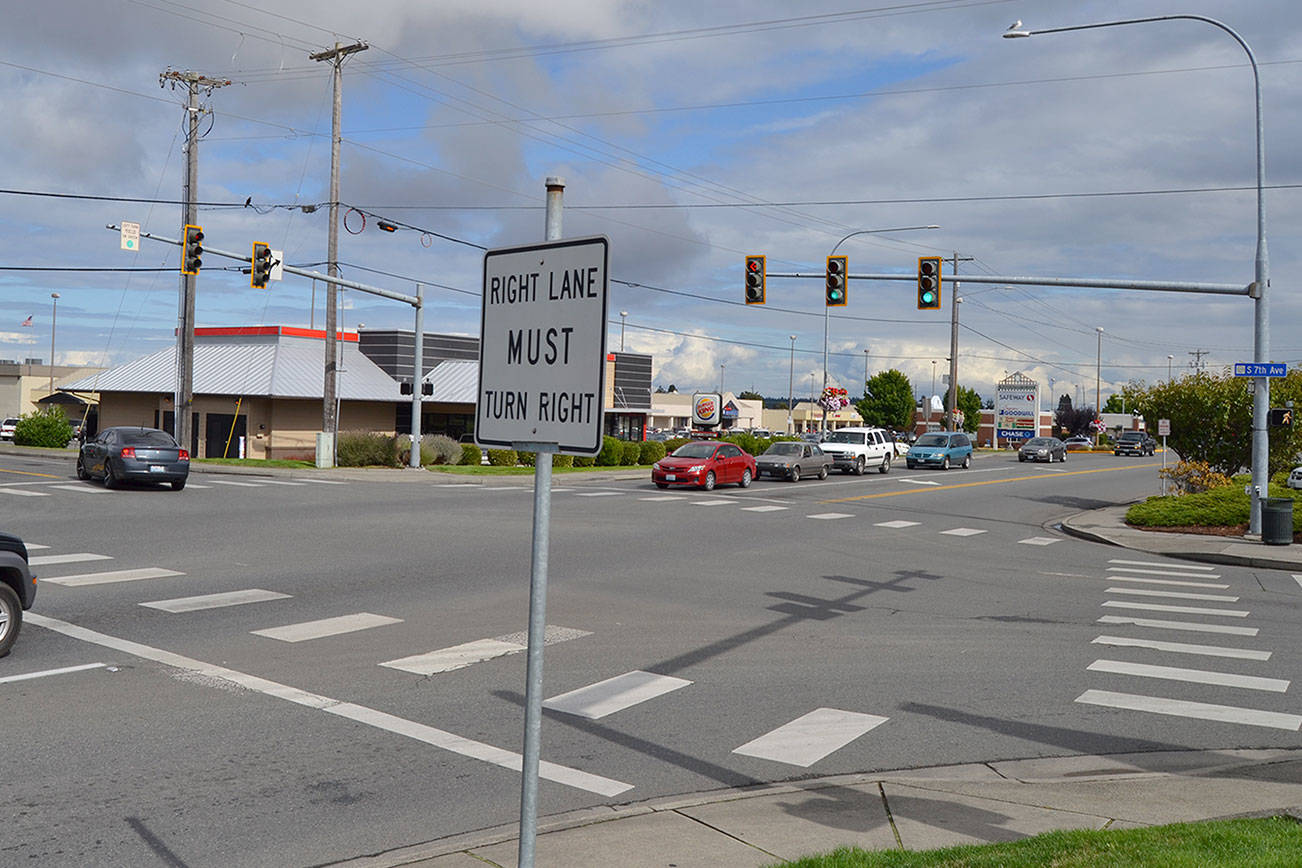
(951, 394)
(330, 420)
(183, 400)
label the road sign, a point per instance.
(1256, 369)
(1163, 427)
(277, 265)
(542, 348)
(130, 236)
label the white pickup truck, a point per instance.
(857, 449)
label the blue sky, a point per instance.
(458, 111)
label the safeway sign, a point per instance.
(542, 347)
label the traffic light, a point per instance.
(1281, 417)
(260, 273)
(755, 274)
(192, 250)
(836, 270)
(928, 283)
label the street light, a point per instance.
(791, 392)
(1098, 367)
(865, 371)
(1169, 357)
(722, 365)
(827, 308)
(54, 318)
(1261, 269)
(623, 314)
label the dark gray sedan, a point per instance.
(792, 460)
(119, 455)
(1048, 449)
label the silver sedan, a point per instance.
(1048, 449)
(792, 460)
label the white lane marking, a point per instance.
(1192, 626)
(1182, 610)
(83, 489)
(614, 694)
(233, 482)
(1195, 676)
(31, 547)
(1170, 574)
(1167, 582)
(1182, 647)
(1039, 541)
(724, 502)
(762, 508)
(399, 726)
(962, 531)
(324, 627)
(214, 601)
(829, 516)
(1173, 595)
(27, 676)
(897, 523)
(660, 497)
(502, 488)
(77, 558)
(920, 481)
(810, 737)
(1165, 564)
(1199, 710)
(469, 653)
(599, 494)
(1296, 578)
(196, 485)
(322, 481)
(109, 577)
(24, 493)
(279, 482)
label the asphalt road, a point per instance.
(910, 619)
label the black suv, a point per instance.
(1134, 443)
(17, 589)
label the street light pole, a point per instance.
(623, 315)
(791, 381)
(1098, 368)
(1261, 265)
(54, 319)
(722, 365)
(1169, 357)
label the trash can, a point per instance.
(1277, 521)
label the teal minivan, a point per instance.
(941, 449)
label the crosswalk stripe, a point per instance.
(1166, 564)
(22, 492)
(1192, 626)
(31, 547)
(279, 482)
(110, 577)
(469, 653)
(233, 482)
(83, 489)
(614, 694)
(762, 508)
(1297, 579)
(962, 531)
(196, 485)
(1137, 579)
(1173, 595)
(660, 497)
(324, 627)
(322, 481)
(897, 523)
(723, 502)
(1182, 647)
(1039, 541)
(810, 737)
(1182, 610)
(76, 558)
(1170, 574)
(215, 601)
(598, 494)
(1199, 710)
(28, 676)
(830, 516)
(1195, 676)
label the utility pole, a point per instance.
(330, 419)
(951, 394)
(183, 400)
(1197, 363)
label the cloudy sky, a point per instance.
(691, 135)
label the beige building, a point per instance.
(25, 388)
(673, 410)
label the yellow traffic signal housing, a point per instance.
(756, 274)
(192, 249)
(260, 272)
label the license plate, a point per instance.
(157, 468)
(670, 477)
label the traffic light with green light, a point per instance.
(928, 283)
(837, 266)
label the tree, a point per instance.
(888, 402)
(748, 395)
(969, 404)
(1118, 402)
(1072, 421)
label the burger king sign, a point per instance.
(705, 409)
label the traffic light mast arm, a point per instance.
(1022, 280)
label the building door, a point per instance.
(217, 432)
(168, 421)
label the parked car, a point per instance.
(705, 464)
(857, 449)
(791, 460)
(17, 589)
(124, 454)
(1134, 443)
(1048, 449)
(941, 449)
(7, 428)
(1078, 441)
(1295, 478)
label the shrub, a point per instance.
(651, 452)
(671, 445)
(471, 455)
(365, 449)
(503, 457)
(612, 450)
(744, 440)
(439, 449)
(1191, 477)
(584, 460)
(48, 427)
(563, 460)
(630, 451)
(529, 459)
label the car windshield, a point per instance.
(157, 439)
(1039, 441)
(932, 440)
(783, 449)
(694, 450)
(846, 437)
(1133, 435)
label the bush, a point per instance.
(47, 427)
(471, 456)
(671, 445)
(745, 441)
(529, 459)
(503, 457)
(1191, 477)
(651, 452)
(563, 460)
(364, 449)
(612, 450)
(584, 460)
(439, 449)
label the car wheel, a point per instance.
(708, 484)
(11, 618)
(110, 478)
(944, 463)
(822, 472)
(886, 464)
(794, 473)
(178, 484)
(745, 478)
(1020, 458)
(967, 461)
(908, 464)
(858, 466)
(662, 485)
(81, 469)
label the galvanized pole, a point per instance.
(417, 374)
(542, 518)
(951, 395)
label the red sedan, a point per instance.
(705, 464)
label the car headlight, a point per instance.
(655, 466)
(696, 468)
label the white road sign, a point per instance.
(130, 236)
(542, 346)
(277, 265)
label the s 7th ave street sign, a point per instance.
(1261, 369)
(542, 347)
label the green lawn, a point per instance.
(256, 462)
(1274, 842)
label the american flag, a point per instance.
(28, 321)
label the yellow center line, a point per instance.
(928, 490)
(29, 473)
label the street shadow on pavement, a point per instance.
(1080, 504)
(864, 811)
